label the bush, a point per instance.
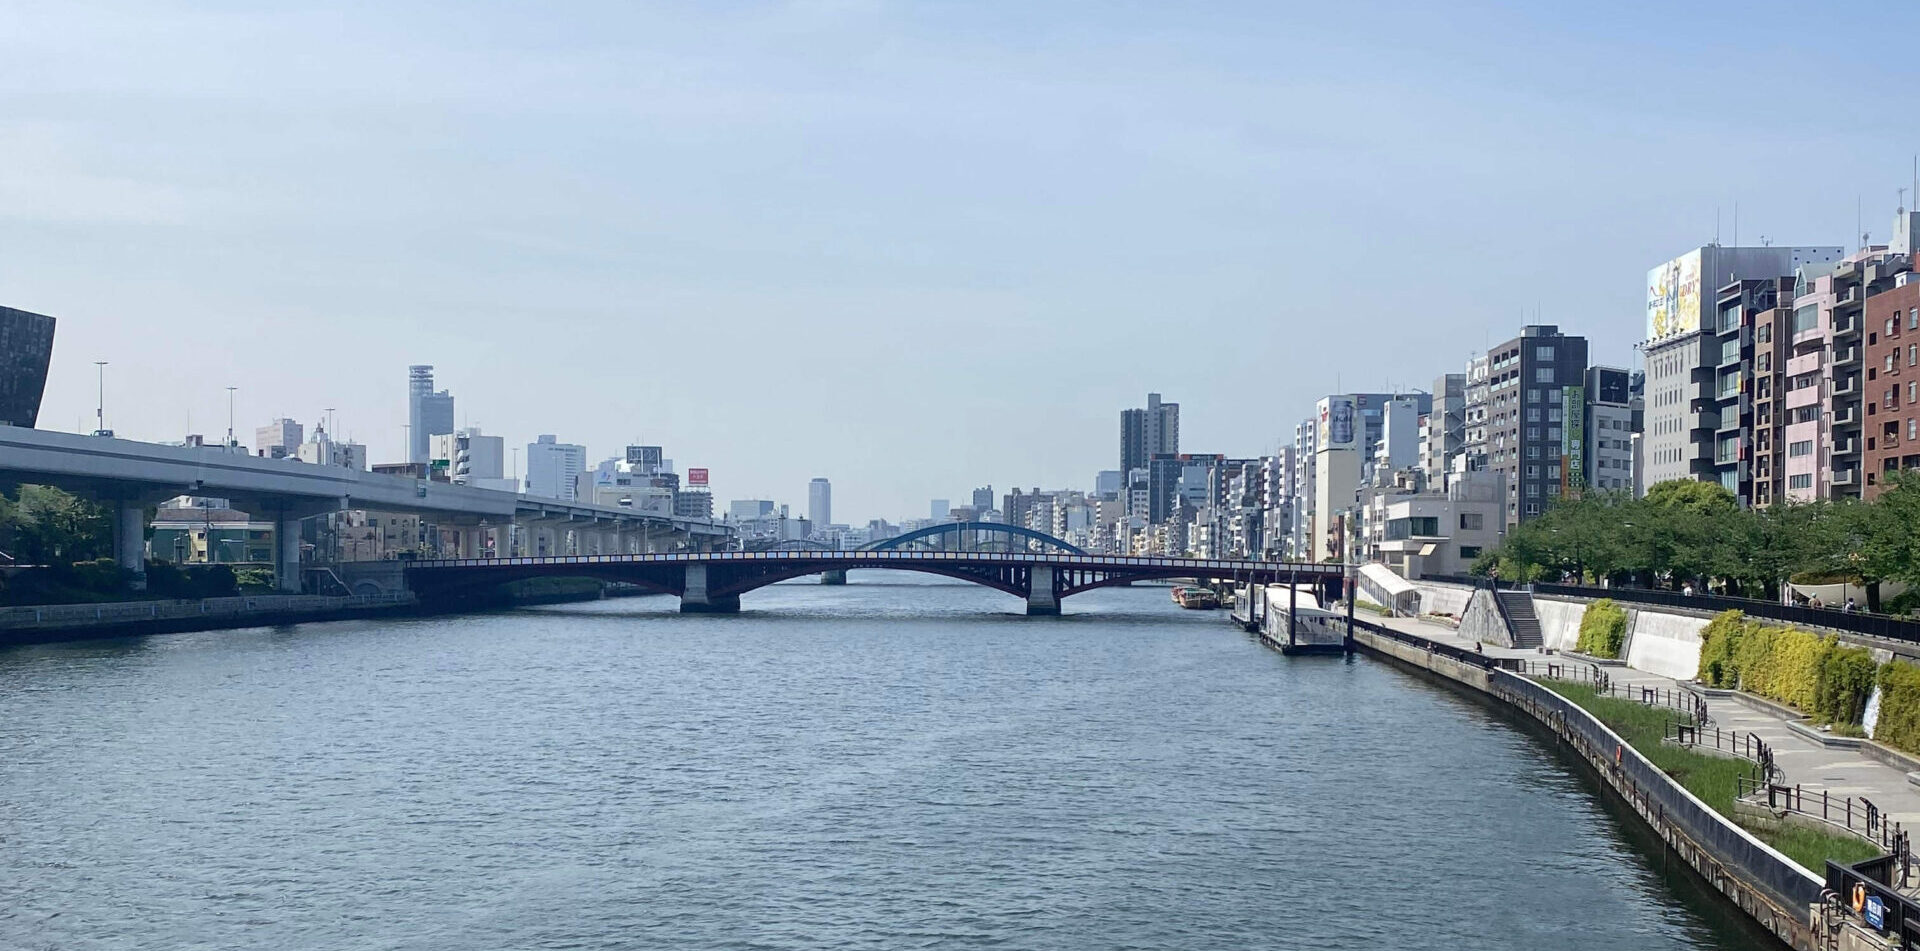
(1603, 629)
(1845, 683)
(1813, 673)
(1719, 642)
(1899, 724)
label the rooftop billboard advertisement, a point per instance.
(1673, 297)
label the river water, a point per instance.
(897, 763)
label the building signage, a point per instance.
(1573, 439)
(1337, 420)
(1875, 912)
(696, 477)
(1673, 297)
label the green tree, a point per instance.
(53, 527)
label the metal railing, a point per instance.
(1856, 814)
(1731, 742)
(1876, 625)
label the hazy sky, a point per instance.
(911, 247)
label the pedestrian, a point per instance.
(1687, 589)
(1848, 609)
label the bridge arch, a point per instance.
(960, 532)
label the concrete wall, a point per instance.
(1664, 644)
(1559, 622)
(1443, 598)
(1482, 622)
(1658, 642)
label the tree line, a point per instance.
(1695, 533)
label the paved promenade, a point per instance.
(1813, 766)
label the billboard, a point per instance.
(1573, 439)
(696, 477)
(1338, 419)
(1673, 297)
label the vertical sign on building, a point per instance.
(1573, 439)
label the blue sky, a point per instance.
(911, 247)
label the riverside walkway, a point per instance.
(1815, 766)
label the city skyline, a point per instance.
(1210, 198)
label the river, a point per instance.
(897, 763)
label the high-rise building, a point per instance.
(1690, 360)
(1445, 429)
(26, 348)
(1891, 402)
(554, 468)
(429, 413)
(1147, 432)
(820, 503)
(1605, 458)
(1474, 415)
(1528, 417)
(983, 500)
(472, 458)
(278, 439)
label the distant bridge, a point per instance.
(714, 581)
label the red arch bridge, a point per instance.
(714, 581)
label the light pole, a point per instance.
(100, 411)
(230, 442)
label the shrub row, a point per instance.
(1899, 723)
(1603, 629)
(1790, 665)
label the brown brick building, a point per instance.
(1892, 397)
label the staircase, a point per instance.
(1522, 623)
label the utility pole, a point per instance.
(230, 442)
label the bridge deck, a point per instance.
(1209, 566)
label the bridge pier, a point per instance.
(1040, 598)
(695, 600)
(130, 540)
(836, 576)
(286, 547)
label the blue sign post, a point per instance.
(1875, 912)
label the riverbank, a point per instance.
(1771, 888)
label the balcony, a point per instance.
(1848, 415)
(1848, 385)
(1847, 476)
(1846, 356)
(1843, 324)
(1846, 445)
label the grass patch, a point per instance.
(1715, 779)
(1365, 605)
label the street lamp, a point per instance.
(230, 442)
(100, 412)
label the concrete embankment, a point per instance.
(49, 623)
(1774, 891)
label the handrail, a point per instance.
(1876, 625)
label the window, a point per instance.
(1533, 472)
(1553, 471)
(1533, 396)
(1553, 414)
(1806, 318)
(1533, 432)
(1802, 448)
(1533, 414)
(1543, 354)
(1913, 318)
(1533, 452)
(1764, 334)
(1913, 428)
(1543, 375)
(1913, 353)
(1472, 522)
(1533, 490)
(1911, 393)
(1801, 481)
(1533, 508)
(1470, 551)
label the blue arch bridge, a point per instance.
(1033, 566)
